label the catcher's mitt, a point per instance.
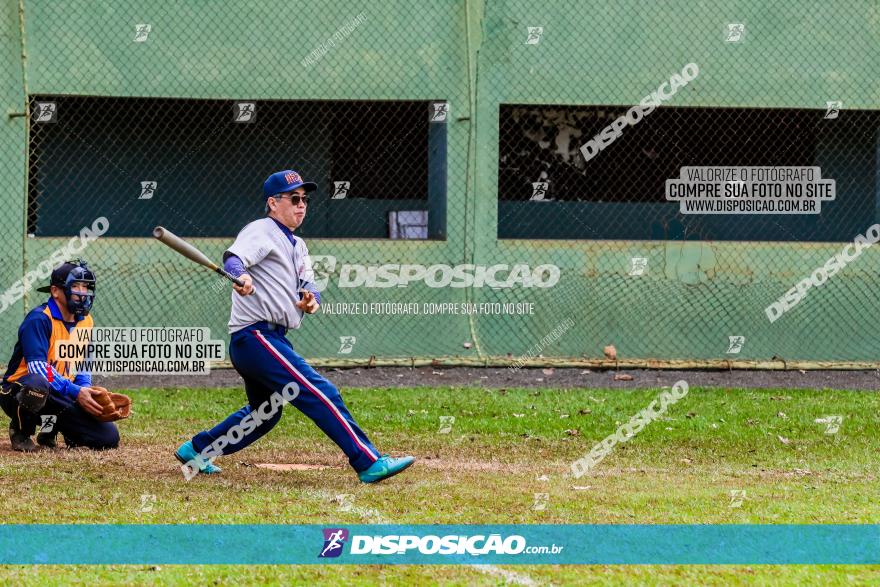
(114, 406)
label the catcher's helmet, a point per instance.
(64, 276)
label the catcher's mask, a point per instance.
(64, 276)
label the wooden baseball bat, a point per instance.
(190, 252)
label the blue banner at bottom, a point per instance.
(439, 544)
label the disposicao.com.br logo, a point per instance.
(334, 541)
(392, 544)
(501, 275)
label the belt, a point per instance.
(270, 326)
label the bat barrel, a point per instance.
(170, 239)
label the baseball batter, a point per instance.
(278, 291)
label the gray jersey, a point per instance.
(279, 270)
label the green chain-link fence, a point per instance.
(446, 140)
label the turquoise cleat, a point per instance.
(385, 467)
(187, 455)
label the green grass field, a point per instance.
(503, 448)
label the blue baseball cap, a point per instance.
(286, 181)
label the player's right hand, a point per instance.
(248, 287)
(87, 402)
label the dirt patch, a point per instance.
(289, 466)
(465, 465)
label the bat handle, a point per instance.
(229, 276)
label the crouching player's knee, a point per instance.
(107, 438)
(104, 436)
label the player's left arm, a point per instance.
(34, 334)
(310, 296)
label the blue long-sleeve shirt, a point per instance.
(31, 352)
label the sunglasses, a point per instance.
(295, 200)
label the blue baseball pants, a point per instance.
(267, 362)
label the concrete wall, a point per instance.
(473, 55)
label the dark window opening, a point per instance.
(547, 190)
(198, 166)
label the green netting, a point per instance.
(459, 125)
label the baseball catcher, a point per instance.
(38, 392)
